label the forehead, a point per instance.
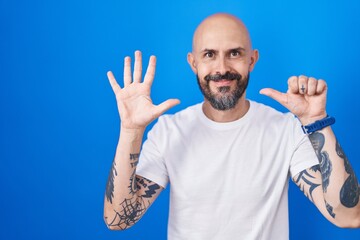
(221, 33)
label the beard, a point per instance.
(225, 99)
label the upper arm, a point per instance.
(310, 183)
(147, 191)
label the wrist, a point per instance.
(310, 120)
(318, 124)
(133, 134)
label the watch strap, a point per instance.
(318, 125)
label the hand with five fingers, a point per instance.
(133, 100)
(305, 98)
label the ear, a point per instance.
(254, 59)
(191, 61)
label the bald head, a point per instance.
(217, 29)
(222, 48)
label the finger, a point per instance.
(150, 72)
(293, 84)
(114, 85)
(137, 67)
(303, 84)
(127, 71)
(312, 84)
(164, 106)
(276, 95)
(321, 86)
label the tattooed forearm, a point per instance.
(317, 140)
(151, 191)
(131, 211)
(143, 183)
(134, 160)
(110, 184)
(306, 177)
(133, 187)
(329, 208)
(350, 191)
(326, 169)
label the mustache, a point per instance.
(218, 77)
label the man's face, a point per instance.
(222, 59)
(224, 98)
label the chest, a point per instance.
(243, 162)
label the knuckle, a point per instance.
(292, 79)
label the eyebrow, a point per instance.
(240, 49)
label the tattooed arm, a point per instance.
(332, 185)
(127, 195)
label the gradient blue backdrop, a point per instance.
(59, 123)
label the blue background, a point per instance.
(59, 123)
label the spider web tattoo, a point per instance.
(132, 211)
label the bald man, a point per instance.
(228, 159)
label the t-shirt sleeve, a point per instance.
(304, 155)
(151, 162)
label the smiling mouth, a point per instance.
(222, 82)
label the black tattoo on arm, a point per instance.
(134, 160)
(350, 191)
(110, 183)
(149, 187)
(131, 212)
(133, 186)
(133, 209)
(318, 140)
(137, 183)
(306, 177)
(329, 208)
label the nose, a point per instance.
(222, 65)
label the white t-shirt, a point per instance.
(228, 180)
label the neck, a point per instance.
(230, 115)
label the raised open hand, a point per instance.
(306, 98)
(134, 103)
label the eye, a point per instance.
(234, 53)
(209, 54)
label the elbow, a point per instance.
(351, 222)
(116, 227)
(111, 225)
(110, 221)
(113, 228)
(118, 220)
(354, 223)
(115, 222)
